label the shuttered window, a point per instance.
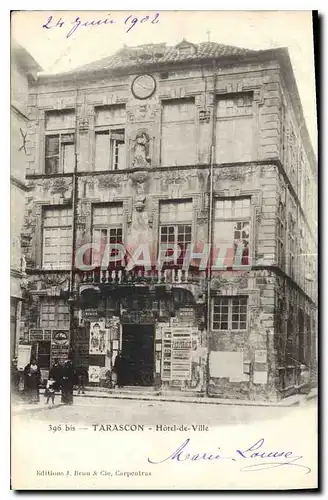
(57, 238)
(110, 138)
(107, 224)
(234, 128)
(178, 145)
(60, 142)
(175, 227)
(232, 229)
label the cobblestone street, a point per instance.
(87, 410)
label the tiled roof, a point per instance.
(161, 53)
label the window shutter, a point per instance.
(102, 151)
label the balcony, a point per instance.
(140, 276)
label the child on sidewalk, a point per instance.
(50, 390)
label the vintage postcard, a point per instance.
(164, 250)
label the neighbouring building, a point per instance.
(191, 144)
(23, 70)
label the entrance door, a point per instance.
(43, 354)
(138, 354)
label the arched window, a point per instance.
(182, 297)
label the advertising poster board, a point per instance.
(24, 356)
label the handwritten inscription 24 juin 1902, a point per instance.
(129, 22)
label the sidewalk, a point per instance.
(296, 400)
(18, 406)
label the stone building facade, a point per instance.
(23, 69)
(190, 144)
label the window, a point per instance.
(182, 297)
(54, 313)
(301, 190)
(13, 324)
(283, 134)
(178, 144)
(292, 155)
(107, 225)
(110, 138)
(292, 245)
(308, 346)
(281, 235)
(57, 238)
(234, 128)
(302, 256)
(302, 337)
(289, 355)
(280, 322)
(232, 228)
(175, 226)
(60, 142)
(230, 313)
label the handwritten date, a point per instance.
(129, 22)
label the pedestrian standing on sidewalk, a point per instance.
(67, 382)
(55, 373)
(50, 391)
(119, 369)
(82, 378)
(32, 379)
(15, 377)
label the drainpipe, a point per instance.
(71, 299)
(210, 235)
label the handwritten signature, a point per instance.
(267, 459)
(129, 22)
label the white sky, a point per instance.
(249, 29)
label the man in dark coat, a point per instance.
(56, 373)
(67, 382)
(15, 377)
(119, 368)
(81, 378)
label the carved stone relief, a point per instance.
(141, 158)
(142, 113)
(140, 183)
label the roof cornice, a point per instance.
(281, 55)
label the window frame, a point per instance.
(118, 124)
(189, 121)
(67, 265)
(281, 235)
(230, 299)
(185, 222)
(240, 218)
(108, 228)
(54, 302)
(292, 250)
(60, 132)
(233, 118)
(109, 130)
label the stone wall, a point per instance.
(267, 178)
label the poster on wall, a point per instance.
(24, 355)
(260, 356)
(227, 364)
(59, 345)
(94, 374)
(181, 354)
(260, 377)
(98, 338)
